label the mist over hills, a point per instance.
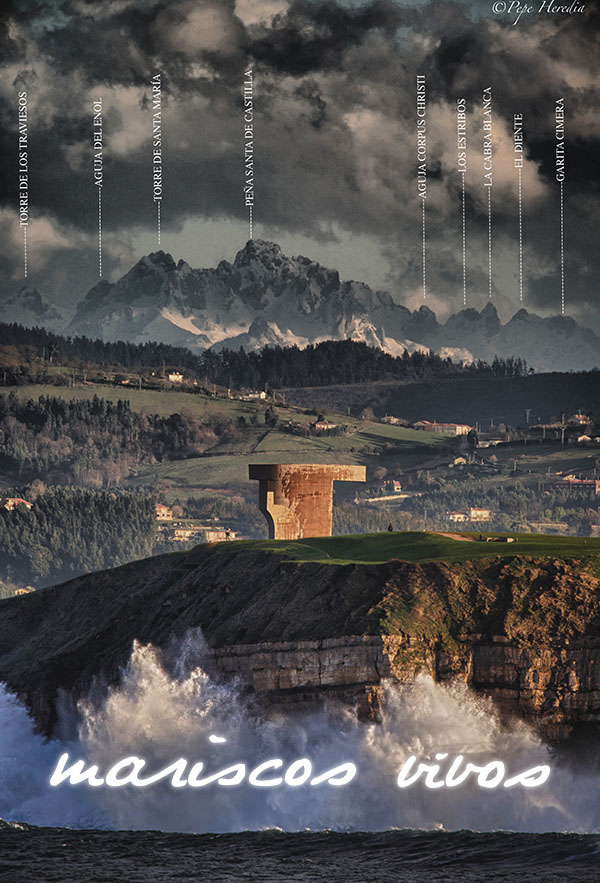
(265, 297)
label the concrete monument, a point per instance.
(297, 498)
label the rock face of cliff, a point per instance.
(554, 687)
(524, 631)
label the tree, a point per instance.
(271, 416)
(36, 489)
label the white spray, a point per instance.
(167, 708)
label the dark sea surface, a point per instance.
(38, 855)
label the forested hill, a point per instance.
(340, 361)
(31, 350)
(93, 442)
(69, 531)
(37, 343)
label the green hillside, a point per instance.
(226, 464)
(203, 453)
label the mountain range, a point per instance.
(265, 297)
(28, 307)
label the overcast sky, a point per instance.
(335, 141)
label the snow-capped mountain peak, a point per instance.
(265, 297)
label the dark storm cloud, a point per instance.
(122, 49)
(314, 36)
(95, 50)
(450, 59)
(10, 50)
(334, 123)
(310, 91)
(562, 62)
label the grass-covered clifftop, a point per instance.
(423, 546)
(538, 590)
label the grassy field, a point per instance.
(421, 546)
(226, 465)
(172, 401)
(230, 470)
(163, 402)
(227, 471)
(400, 450)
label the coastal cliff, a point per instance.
(522, 629)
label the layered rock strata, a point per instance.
(524, 631)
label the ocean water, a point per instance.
(67, 856)
(331, 809)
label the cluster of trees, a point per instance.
(94, 442)
(32, 344)
(335, 362)
(508, 368)
(327, 363)
(71, 531)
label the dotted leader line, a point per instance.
(25, 263)
(520, 235)
(424, 250)
(562, 249)
(158, 221)
(250, 223)
(100, 230)
(464, 242)
(490, 240)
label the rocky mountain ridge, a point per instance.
(265, 297)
